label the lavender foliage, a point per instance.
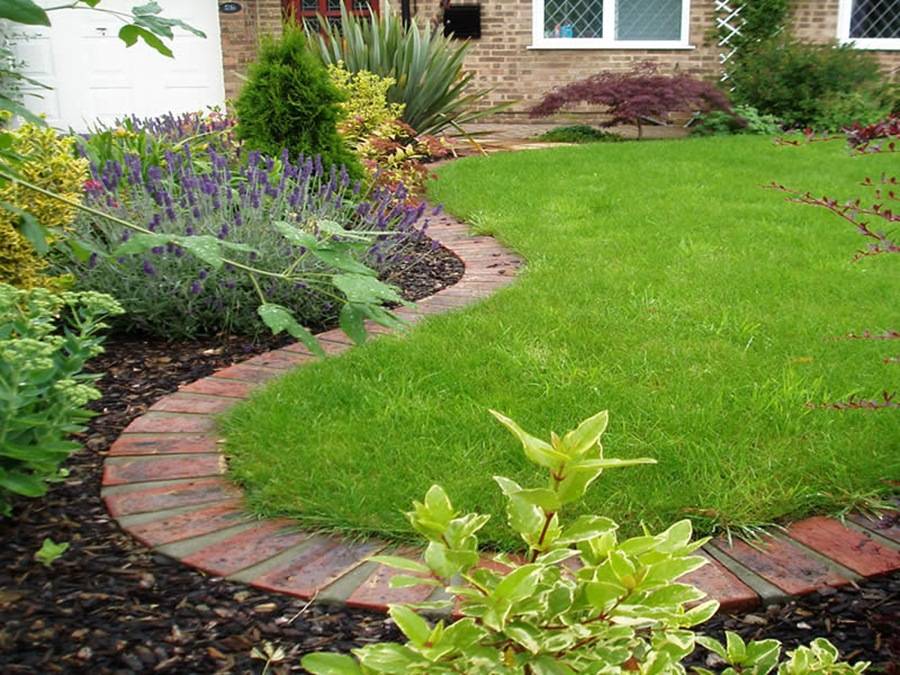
(171, 293)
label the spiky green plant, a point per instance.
(426, 66)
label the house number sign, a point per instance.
(230, 7)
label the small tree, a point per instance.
(635, 96)
(289, 102)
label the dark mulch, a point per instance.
(109, 605)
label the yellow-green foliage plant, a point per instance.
(389, 149)
(582, 600)
(47, 160)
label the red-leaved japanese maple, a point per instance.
(635, 96)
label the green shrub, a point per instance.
(45, 340)
(844, 109)
(289, 102)
(582, 600)
(579, 133)
(426, 66)
(793, 80)
(744, 119)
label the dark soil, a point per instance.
(109, 605)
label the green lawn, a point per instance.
(662, 283)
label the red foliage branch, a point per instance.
(853, 211)
(865, 138)
(636, 95)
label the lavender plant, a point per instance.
(304, 245)
(151, 138)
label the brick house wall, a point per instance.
(503, 62)
(240, 36)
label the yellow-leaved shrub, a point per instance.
(47, 160)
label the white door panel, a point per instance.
(96, 78)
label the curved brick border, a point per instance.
(164, 483)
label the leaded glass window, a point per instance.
(875, 19)
(573, 18)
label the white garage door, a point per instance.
(95, 77)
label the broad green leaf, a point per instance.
(538, 451)
(668, 571)
(519, 583)
(543, 498)
(279, 319)
(525, 518)
(525, 634)
(462, 634)
(713, 645)
(130, 33)
(735, 647)
(50, 551)
(547, 665)
(365, 289)
(413, 626)
(330, 664)
(585, 528)
(295, 235)
(204, 246)
(763, 655)
(343, 260)
(401, 563)
(673, 594)
(388, 658)
(603, 595)
(32, 230)
(142, 242)
(24, 11)
(507, 486)
(586, 435)
(9, 105)
(22, 484)
(623, 569)
(352, 321)
(150, 8)
(406, 581)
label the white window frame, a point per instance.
(845, 10)
(538, 41)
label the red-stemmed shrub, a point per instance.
(636, 95)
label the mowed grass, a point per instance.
(663, 283)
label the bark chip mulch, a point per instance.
(109, 605)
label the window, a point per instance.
(614, 24)
(870, 24)
(307, 10)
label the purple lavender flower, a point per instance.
(148, 268)
(196, 287)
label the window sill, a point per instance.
(584, 43)
(883, 44)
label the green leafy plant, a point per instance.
(426, 66)
(580, 601)
(45, 340)
(47, 160)
(744, 119)
(289, 102)
(50, 551)
(794, 80)
(389, 149)
(579, 133)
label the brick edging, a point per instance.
(164, 482)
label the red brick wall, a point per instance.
(240, 37)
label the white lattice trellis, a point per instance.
(728, 25)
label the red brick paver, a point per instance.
(783, 565)
(851, 548)
(153, 444)
(159, 498)
(162, 467)
(264, 540)
(196, 523)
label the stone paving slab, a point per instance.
(163, 481)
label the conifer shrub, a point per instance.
(289, 102)
(810, 85)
